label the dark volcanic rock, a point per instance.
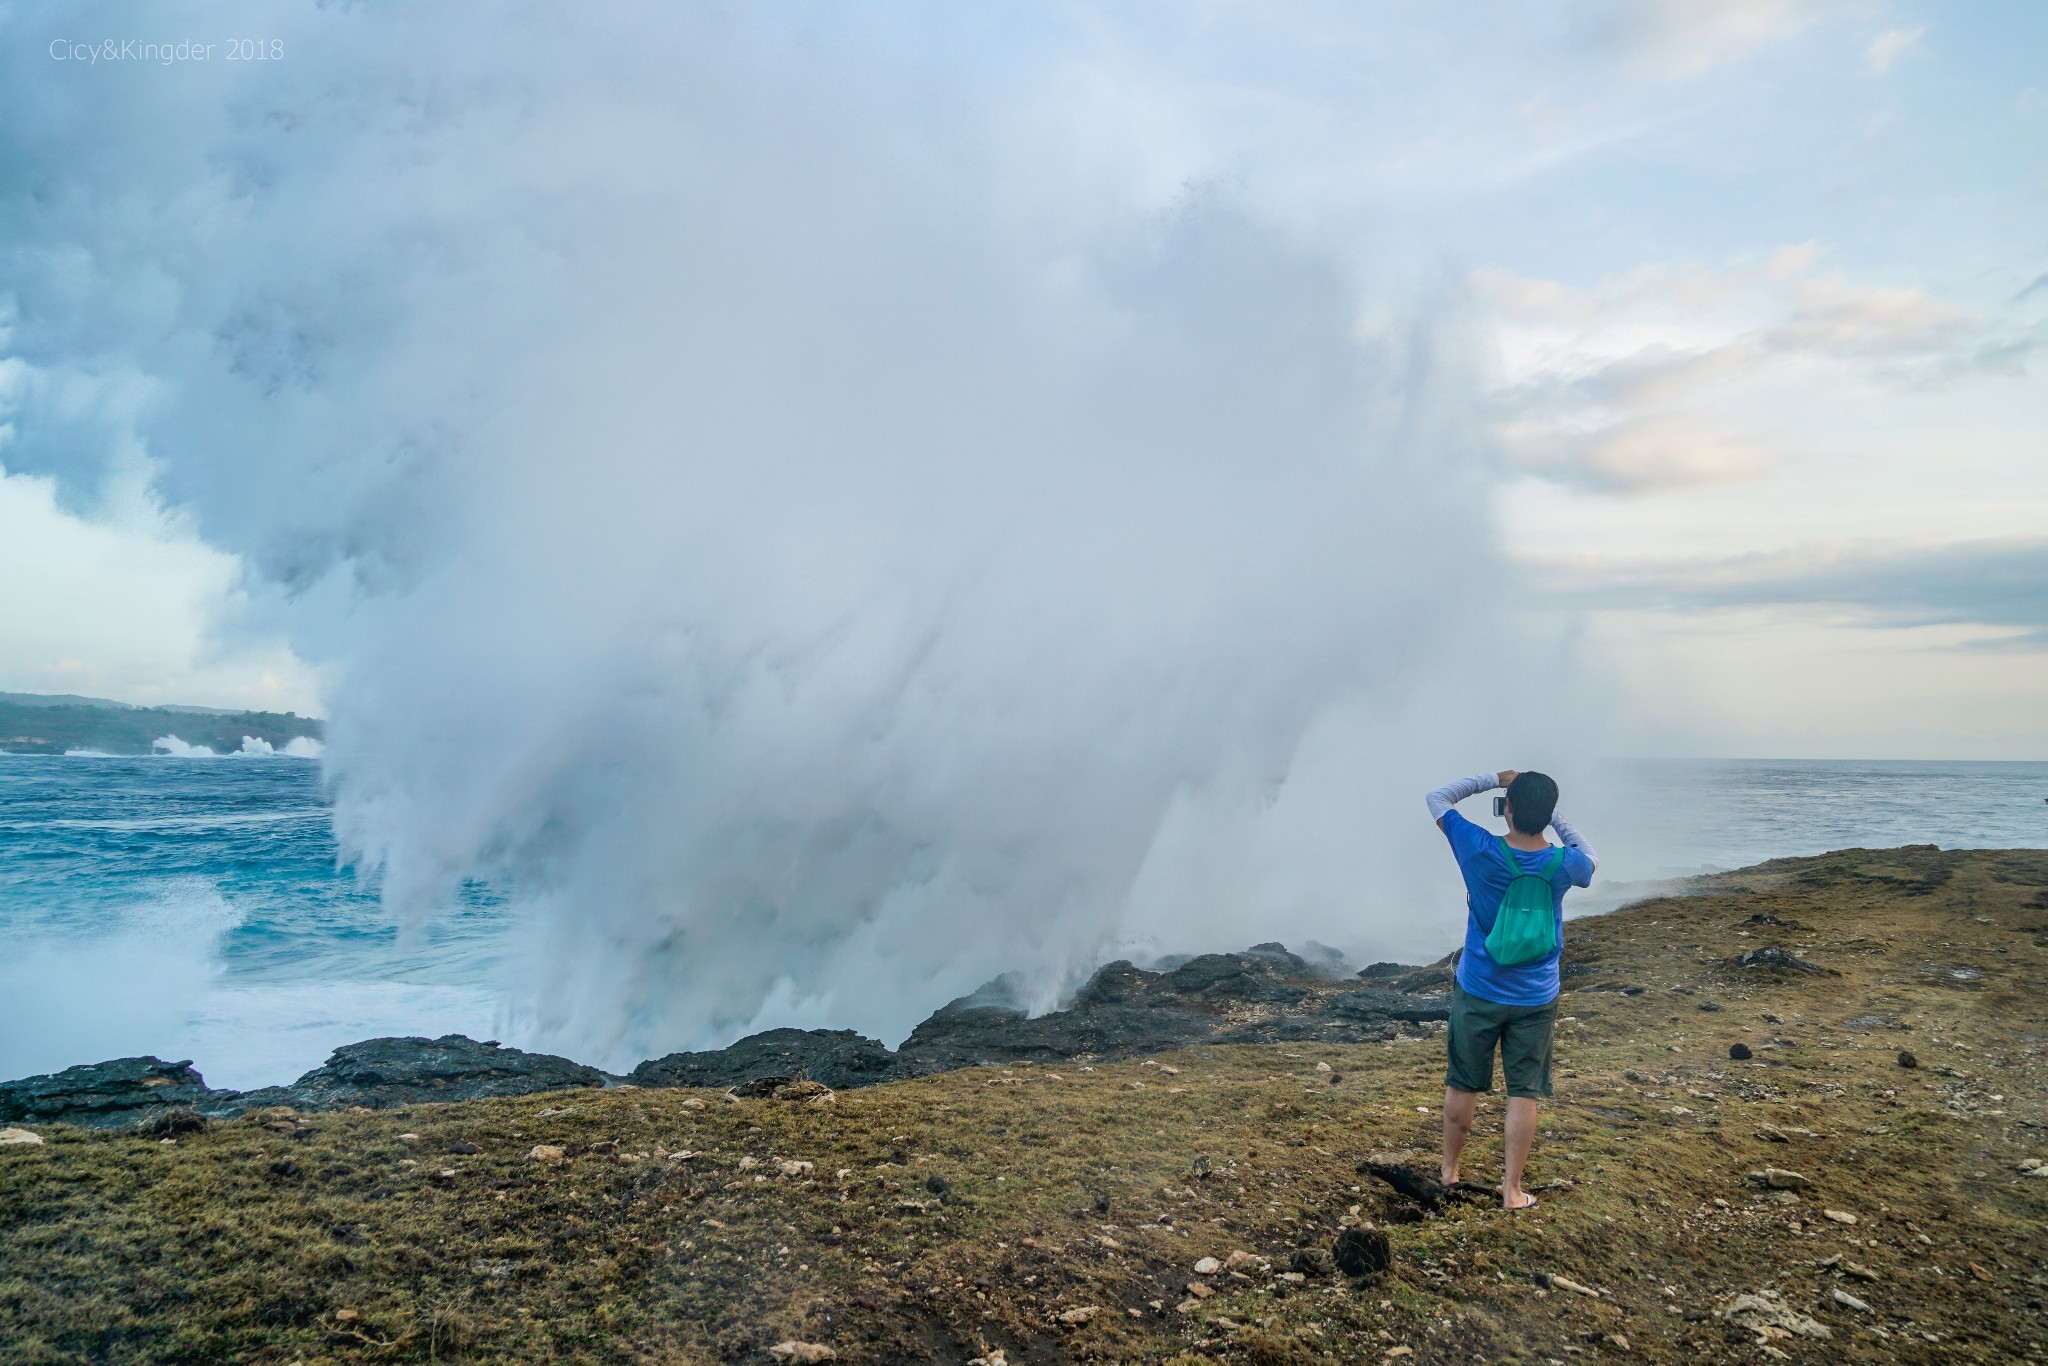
(1122, 1011)
(1435, 977)
(1391, 1005)
(1265, 994)
(1266, 973)
(957, 1036)
(110, 1095)
(1362, 1252)
(1312, 1029)
(382, 1074)
(837, 1057)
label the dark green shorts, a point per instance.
(1522, 1033)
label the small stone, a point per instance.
(461, 1149)
(1208, 1266)
(1740, 1052)
(1322, 1067)
(1840, 1216)
(1076, 1317)
(1979, 1272)
(346, 1316)
(26, 1138)
(1859, 1271)
(408, 1138)
(1567, 1283)
(2035, 1171)
(1710, 1005)
(1778, 1179)
(544, 1152)
(1849, 1301)
(1907, 1059)
(793, 1350)
(1620, 1341)
(938, 1185)
(2030, 1164)
(1200, 1290)
(1767, 1310)
(1393, 1353)
(794, 1168)
(694, 1103)
(1771, 1135)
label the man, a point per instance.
(1493, 1005)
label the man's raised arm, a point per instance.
(1442, 799)
(1572, 838)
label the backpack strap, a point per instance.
(1515, 869)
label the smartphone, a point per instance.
(1500, 806)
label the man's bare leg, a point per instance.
(1457, 1123)
(1521, 1135)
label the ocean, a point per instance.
(196, 908)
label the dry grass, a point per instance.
(339, 1239)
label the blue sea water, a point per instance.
(196, 907)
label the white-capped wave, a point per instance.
(156, 981)
(253, 747)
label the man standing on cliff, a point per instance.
(1506, 996)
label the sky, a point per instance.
(1756, 291)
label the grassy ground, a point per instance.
(978, 1215)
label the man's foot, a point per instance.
(1518, 1200)
(1450, 1177)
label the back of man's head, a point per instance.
(1532, 800)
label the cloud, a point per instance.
(130, 604)
(1997, 582)
(1629, 386)
(1836, 318)
(1677, 38)
(1890, 45)
(1653, 454)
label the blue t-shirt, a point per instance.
(1486, 885)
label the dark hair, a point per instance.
(1534, 799)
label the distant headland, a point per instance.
(61, 723)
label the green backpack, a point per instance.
(1525, 929)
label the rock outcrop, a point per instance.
(107, 1095)
(381, 1074)
(839, 1058)
(1265, 994)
